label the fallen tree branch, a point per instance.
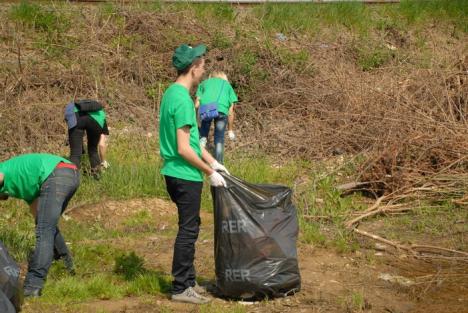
(417, 251)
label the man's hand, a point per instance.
(231, 135)
(216, 180)
(215, 165)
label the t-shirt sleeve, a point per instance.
(232, 95)
(184, 114)
(199, 92)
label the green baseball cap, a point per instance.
(184, 55)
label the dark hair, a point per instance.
(186, 70)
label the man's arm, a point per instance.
(2, 195)
(33, 207)
(185, 151)
(102, 147)
(231, 118)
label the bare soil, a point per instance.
(331, 282)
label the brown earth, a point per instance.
(331, 281)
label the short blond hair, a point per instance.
(218, 74)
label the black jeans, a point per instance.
(75, 137)
(187, 196)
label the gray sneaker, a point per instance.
(199, 289)
(191, 296)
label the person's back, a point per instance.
(218, 91)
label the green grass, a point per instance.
(360, 18)
(16, 227)
(40, 18)
(129, 265)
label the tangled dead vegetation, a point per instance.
(404, 110)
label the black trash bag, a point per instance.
(5, 304)
(256, 231)
(9, 279)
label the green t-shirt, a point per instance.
(177, 110)
(24, 174)
(98, 116)
(209, 90)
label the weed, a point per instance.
(357, 301)
(370, 58)
(150, 282)
(247, 61)
(138, 218)
(18, 239)
(221, 41)
(129, 265)
(344, 242)
(220, 13)
(310, 233)
(33, 15)
(70, 289)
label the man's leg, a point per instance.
(220, 128)
(93, 132)
(61, 250)
(187, 196)
(204, 132)
(75, 138)
(54, 192)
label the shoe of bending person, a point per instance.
(189, 295)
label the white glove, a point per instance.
(231, 135)
(105, 164)
(216, 180)
(219, 167)
(203, 142)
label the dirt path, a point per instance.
(364, 281)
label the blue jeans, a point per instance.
(56, 192)
(220, 127)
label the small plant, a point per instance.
(310, 233)
(247, 62)
(369, 58)
(129, 265)
(221, 41)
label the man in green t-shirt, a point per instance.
(47, 183)
(184, 163)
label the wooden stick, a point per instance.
(413, 249)
(424, 248)
(369, 212)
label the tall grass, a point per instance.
(44, 19)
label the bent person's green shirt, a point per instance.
(209, 91)
(177, 110)
(24, 174)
